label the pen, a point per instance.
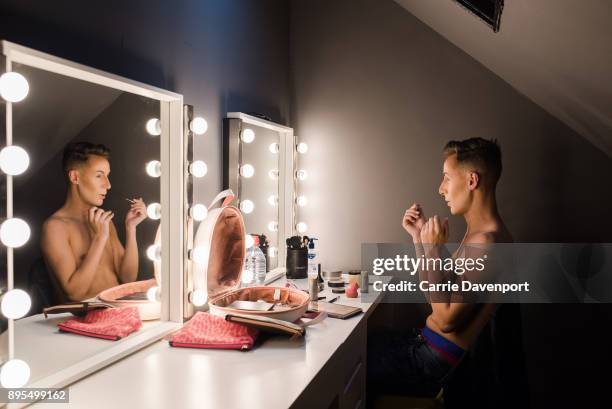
(320, 298)
(333, 299)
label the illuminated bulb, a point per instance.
(248, 241)
(198, 125)
(14, 374)
(154, 252)
(302, 147)
(247, 206)
(13, 87)
(248, 135)
(247, 170)
(153, 168)
(15, 304)
(301, 227)
(14, 232)
(273, 200)
(14, 160)
(247, 276)
(302, 201)
(198, 254)
(273, 174)
(153, 294)
(154, 127)
(198, 297)
(273, 226)
(301, 174)
(154, 211)
(198, 168)
(272, 252)
(198, 212)
(274, 148)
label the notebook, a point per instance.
(79, 308)
(267, 324)
(334, 310)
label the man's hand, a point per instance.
(99, 221)
(413, 221)
(434, 232)
(137, 213)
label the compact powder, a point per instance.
(338, 290)
(337, 283)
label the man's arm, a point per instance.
(126, 260)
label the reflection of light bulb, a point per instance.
(273, 174)
(273, 226)
(153, 168)
(301, 174)
(154, 127)
(198, 212)
(198, 254)
(14, 160)
(302, 201)
(272, 252)
(248, 135)
(154, 211)
(13, 87)
(198, 168)
(153, 294)
(274, 148)
(273, 200)
(198, 297)
(301, 227)
(248, 241)
(198, 125)
(247, 170)
(247, 206)
(14, 374)
(154, 252)
(15, 304)
(14, 232)
(247, 276)
(302, 147)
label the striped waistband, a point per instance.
(448, 349)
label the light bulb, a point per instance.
(14, 160)
(272, 252)
(13, 87)
(302, 147)
(15, 304)
(301, 227)
(247, 170)
(15, 373)
(273, 174)
(302, 201)
(198, 169)
(14, 232)
(247, 206)
(154, 127)
(154, 211)
(153, 294)
(273, 200)
(154, 252)
(248, 241)
(198, 254)
(198, 297)
(247, 276)
(198, 212)
(248, 135)
(273, 226)
(274, 148)
(198, 125)
(301, 174)
(153, 168)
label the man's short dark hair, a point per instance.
(483, 154)
(77, 153)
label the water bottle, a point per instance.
(255, 262)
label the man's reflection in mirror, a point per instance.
(79, 241)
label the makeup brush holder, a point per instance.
(297, 263)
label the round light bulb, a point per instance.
(301, 227)
(247, 276)
(274, 148)
(14, 374)
(273, 226)
(14, 160)
(153, 294)
(198, 125)
(247, 206)
(198, 169)
(273, 200)
(198, 254)
(154, 127)
(247, 170)
(198, 212)
(248, 135)
(14, 232)
(154, 252)
(154, 211)
(248, 241)
(198, 297)
(153, 169)
(13, 87)
(301, 174)
(302, 201)
(302, 147)
(273, 174)
(15, 304)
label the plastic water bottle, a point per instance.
(255, 262)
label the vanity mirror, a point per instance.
(77, 139)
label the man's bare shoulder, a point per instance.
(489, 237)
(58, 223)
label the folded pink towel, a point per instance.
(205, 330)
(110, 323)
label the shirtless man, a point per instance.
(79, 241)
(413, 363)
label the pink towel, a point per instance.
(204, 330)
(110, 323)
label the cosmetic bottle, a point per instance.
(313, 258)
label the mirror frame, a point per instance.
(174, 211)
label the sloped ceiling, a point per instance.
(558, 53)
